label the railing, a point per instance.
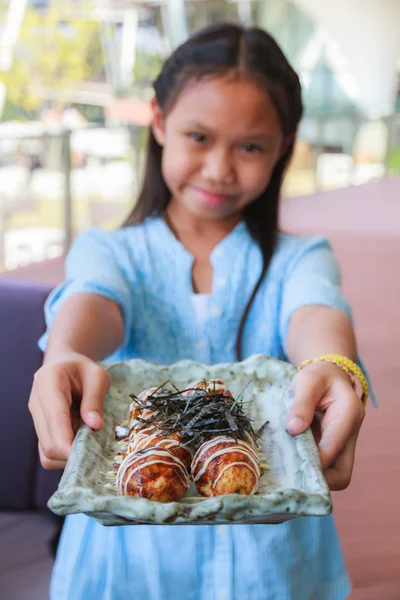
(56, 182)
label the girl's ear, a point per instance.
(158, 122)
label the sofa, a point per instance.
(28, 530)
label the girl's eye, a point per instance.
(197, 137)
(251, 148)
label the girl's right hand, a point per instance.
(63, 392)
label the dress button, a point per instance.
(216, 312)
(223, 530)
(221, 282)
(201, 345)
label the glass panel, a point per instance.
(74, 111)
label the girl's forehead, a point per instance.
(236, 102)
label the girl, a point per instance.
(199, 271)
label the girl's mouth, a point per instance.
(212, 199)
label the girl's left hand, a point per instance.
(325, 400)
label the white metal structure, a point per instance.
(368, 32)
(15, 16)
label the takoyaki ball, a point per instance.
(225, 466)
(137, 409)
(151, 436)
(143, 430)
(212, 386)
(155, 474)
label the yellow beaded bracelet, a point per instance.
(340, 365)
(348, 366)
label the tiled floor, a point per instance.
(364, 228)
(368, 512)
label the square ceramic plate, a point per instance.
(293, 486)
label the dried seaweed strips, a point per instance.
(197, 414)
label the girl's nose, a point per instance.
(218, 167)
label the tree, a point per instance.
(56, 51)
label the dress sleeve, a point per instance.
(94, 265)
(312, 277)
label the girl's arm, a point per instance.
(85, 324)
(71, 385)
(315, 330)
(323, 395)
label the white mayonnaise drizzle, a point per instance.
(144, 438)
(160, 456)
(239, 446)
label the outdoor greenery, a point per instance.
(60, 49)
(63, 48)
(393, 161)
(55, 52)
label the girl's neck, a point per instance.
(197, 235)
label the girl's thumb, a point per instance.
(308, 391)
(96, 382)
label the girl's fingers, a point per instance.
(96, 383)
(316, 427)
(39, 420)
(48, 463)
(55, 415)
(51, 457)
(309, 389)
(340, 423)
(338, 475)
(50, 408)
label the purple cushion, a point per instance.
(21, 324)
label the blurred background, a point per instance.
(75, 82)
(75, 85)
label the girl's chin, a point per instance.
(214, 213)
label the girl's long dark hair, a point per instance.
(217, 50)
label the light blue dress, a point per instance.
(148, 272)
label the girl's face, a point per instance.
(221, 141)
